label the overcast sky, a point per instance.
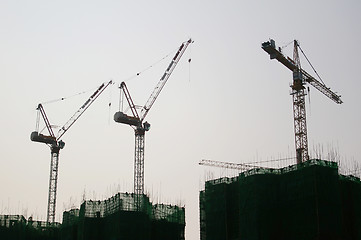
(230, 103)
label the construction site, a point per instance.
(115, 218)
(308, 199)
(123, 216)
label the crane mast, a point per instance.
(299, 111)
(298, 92)
(136, 121)
(56, 145)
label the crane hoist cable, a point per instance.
(189, 62)
(150, 66)
(65, 98)
(310, 64)
(286, 45)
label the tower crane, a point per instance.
(236, 166)
(55, 143)
(298, 92)
(136, 121)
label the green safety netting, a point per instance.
(114, 218)
(304, 201)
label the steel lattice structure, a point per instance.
(53, 182)
(139, 165)
(300, 79)
(136, 120)
(56, 144)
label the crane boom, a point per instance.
(82, 109)
(164, 79)
(270, 48)
(238, 166)
(321, 87)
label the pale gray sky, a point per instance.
(231, 103)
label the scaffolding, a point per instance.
(119, 217)
(70, 217)
(169, 213)
(16, 227)
(310, 200)
(119, 202)
(114, 218)
(11, 220)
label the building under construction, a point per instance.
(118, 217)
(310, 200)
(16, 227)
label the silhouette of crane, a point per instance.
(55, 144)
(240, 166)
(229, 165)
(136, 121)
(300, 78)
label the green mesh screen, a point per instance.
(113, 218)
(305, 201)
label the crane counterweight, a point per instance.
(121, 117)
(38, 137)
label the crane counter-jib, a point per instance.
(270, 48)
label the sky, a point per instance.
(229, 103)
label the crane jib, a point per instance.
(96, 92)
(82, 109)
(270, 48)
(170, 65)
(180, 49)
(92, 96)
(148, 105)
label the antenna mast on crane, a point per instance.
(136, 122)
(56, 144)
(300, 78)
